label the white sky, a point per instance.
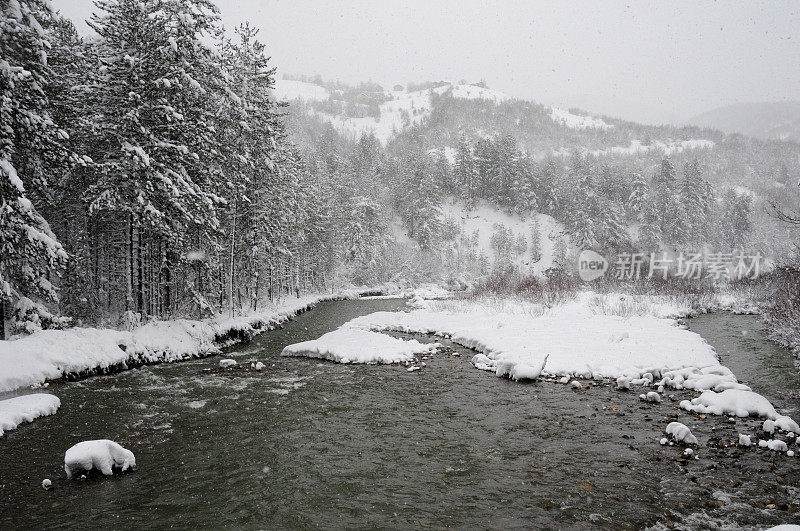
(660, 61)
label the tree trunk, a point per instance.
(139, 273)
(230, 271)
(129, 267)
(2, 319)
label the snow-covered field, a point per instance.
(52, 354)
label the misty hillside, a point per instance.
(779, 120)
(442, 117)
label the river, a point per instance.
(307, 443)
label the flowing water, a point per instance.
(307, 443)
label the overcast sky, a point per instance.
(654, 62)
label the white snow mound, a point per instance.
(26, 408)
(347, 345)
(681, 433)
(742, 404)
(103, 455)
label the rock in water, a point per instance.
(103, 455)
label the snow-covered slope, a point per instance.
(288, 89)
(577, 121)
(484, 220)
(405, 109)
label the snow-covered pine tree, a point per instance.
(694, 202)
(464, 170)
(638, 194)
(536, 241)
(30, 254)
(157, 169)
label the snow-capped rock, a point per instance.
(681, 433)
(103, 455)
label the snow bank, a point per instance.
(359, 346)
(52, 354)
(102, 455)
(741, 403)
(26, 408)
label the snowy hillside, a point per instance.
(482, 222)
(636, 147)
(577, 121)
(287, 90)
(405, 109)
(778, 120)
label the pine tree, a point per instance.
(536, 242)
(30, 254)
(464, 170)
(637, 196)
(694, 202)
(159, 166)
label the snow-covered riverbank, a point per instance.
(52, 354)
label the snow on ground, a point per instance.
(473, 92)
(484, 218)
(580, 338)
(352, 345)
(404, 110)
(21, 409)
(577, 121)
(668, 148)
(52, 354)
(102, 455)
(287, 90)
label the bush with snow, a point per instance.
(30, 317)
(103, 455)
(681, 433)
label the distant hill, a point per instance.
(436, 116)
(778, 120)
